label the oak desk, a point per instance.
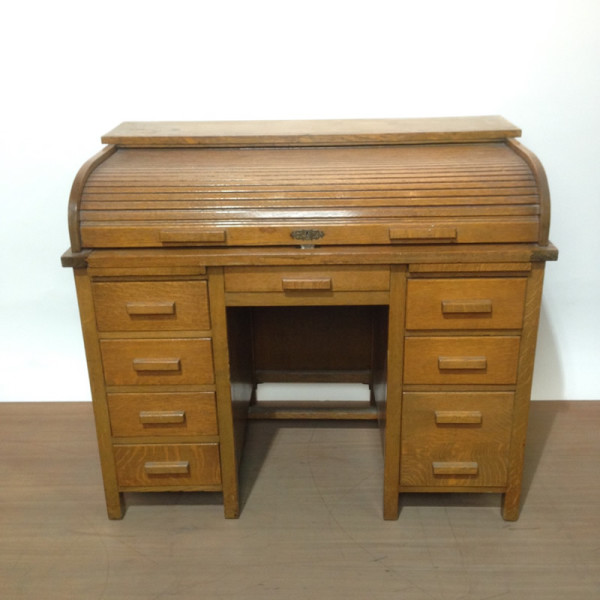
(406, 255)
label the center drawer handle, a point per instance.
(408, 234)
(174, 467)
(142, 365)
(462, 363)
(455, 468)
(458, 307)
(457, 417)
(318, 283)
(150, 308)
(192, 236)
(164, 417)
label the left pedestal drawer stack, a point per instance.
(155, 345)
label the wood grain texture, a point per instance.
(312, 340)
(311, 133)
(151, 305)
(457, 257)
(458, 417)
(279, 279)
(542, 183)
(482, 269)
(157, 414)
(114, 504)
(392, 411)
(128, 234)
(167, 466)
(453, 451)
(533, 301)
(189, 361)
(76, 193)
(232, 423)
(465, 303)
(463, 360)
(455, 468)
(393, 194)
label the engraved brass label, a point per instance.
(307, 234)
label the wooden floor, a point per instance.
(311, 525)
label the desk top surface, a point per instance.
(311, 133)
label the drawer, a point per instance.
(171, 465)
(461, 360)
(151, 305)
(465, 303)
(455, 438)
(152, 414)
(296, 280)
(157, 361)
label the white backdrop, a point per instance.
(73, 70)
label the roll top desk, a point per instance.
(403, 255)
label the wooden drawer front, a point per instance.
(461, 360)
(157, 361)
(154, 414)
(155, 465)
(307, 279)
(465, 303)
(151, 305)
(459, 439)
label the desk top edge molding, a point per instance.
(325, 132)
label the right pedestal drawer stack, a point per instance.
(461, 365)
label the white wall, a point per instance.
(73, 70)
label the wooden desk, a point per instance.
(406, 255)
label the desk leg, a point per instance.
(533, 300)
(393, 412)
(227, 437)
(114, 499)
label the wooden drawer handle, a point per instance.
(192, 236)
(150, 308)
(156, 364)
(320, 283)
(175, 467)
(457, 417)
(399, 234)
(162, 417)
(458, 307)
(462, 363)
(455, 468)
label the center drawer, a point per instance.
(292, 280)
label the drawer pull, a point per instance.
(192, 236)
(457, 417)
(320, 283)
(156, 364)
(176, 467)
(455, 468)
(459, 307)
(150, 308)
(411, 234)
(159, 417)
(462, 363)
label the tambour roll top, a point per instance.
(365, 182)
